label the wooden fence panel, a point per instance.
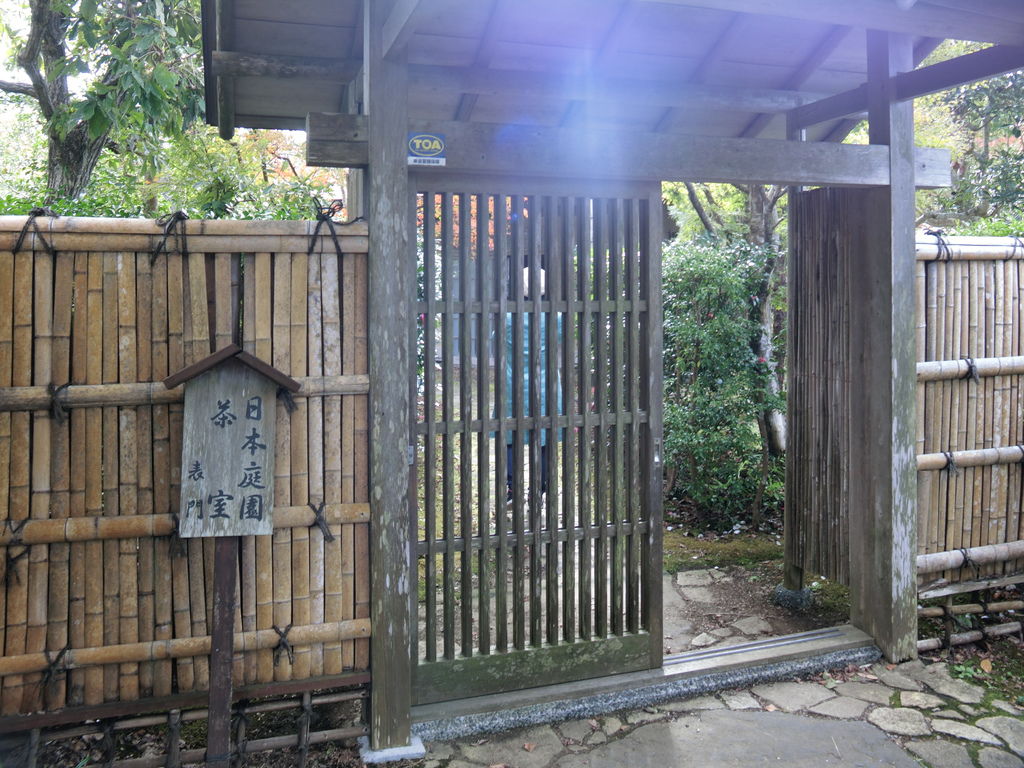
(100, 601)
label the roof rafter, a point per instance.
(924, 18)
(484, 52)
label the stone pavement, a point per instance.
(908, 715)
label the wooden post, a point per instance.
(225, 568)
(389, 275)
(883, 481)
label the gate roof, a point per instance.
(722, 68)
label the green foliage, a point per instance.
(715, 387)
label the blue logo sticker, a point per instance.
(426, 149)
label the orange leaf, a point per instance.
(529, 746)
(986, 664)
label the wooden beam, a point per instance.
(926, 19)
(971, 67)
(334, 144)
(390, 270)
(400, 24)
(825, 47)
(882, 468)
(225, 85)
(643, 93)
(235, 64)
(484, 52)
(642, 155)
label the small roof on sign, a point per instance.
(231, 351)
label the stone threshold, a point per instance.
(683, 675)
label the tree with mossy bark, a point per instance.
(106, 75)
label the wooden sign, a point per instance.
(227, 461)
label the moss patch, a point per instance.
(684, 552)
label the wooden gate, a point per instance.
(537, 434)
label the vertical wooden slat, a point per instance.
(430, 224)
(552, 343)
(518, 434)
(618, 496)
(533, 400)
(634, 563)
(601, 397)
(501, 398)
(570, 214)
(7, 312)
(448, 575)
(361, 463)
(586, 258)
(483, 325)
(465, 503)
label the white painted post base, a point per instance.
(411, 751)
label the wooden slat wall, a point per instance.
(499, 578)
(969, 305)
(102, 311)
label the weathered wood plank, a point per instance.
(639, 155)
(389, 296)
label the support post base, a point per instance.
(411, 751)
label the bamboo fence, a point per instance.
(969, 318)
(99, 601)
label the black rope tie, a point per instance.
(109, 743)
(325, 215)
(1020, 448)
(951, 463)
(972, 370)
(283, 646)
(58, 410)
(34, 214)
(11, 560)
(242, 725)
(173, 225)
(54, 665)
(968, 561)
(285, 396)
(1017, 243)
(945, 252)
(177, 544)
(320, 521)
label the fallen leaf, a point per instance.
(890, 667)
(529, 746)
(593, 724)
(498, 765)
(478, 742)
(986, 664)
(771, 708)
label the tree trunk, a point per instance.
(70, 162)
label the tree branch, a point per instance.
(28, 56)
(699, 209)
(26, 89)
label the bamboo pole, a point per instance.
(299, 463)
(332, 478)
(181, 647)
(315, 450)
(6, 373)
(935, 643)
(282, 469)
(348, 448)
(177, 317)
(41, 457)
(146, 243)
(938, 611)
(361, 463)
(111, 474)
(79, 421)
(60, 480)
(147, 576)
(163, 503)
(937, 370)
(261, 301)
(128, 464)
(19, 501)
(989, 553)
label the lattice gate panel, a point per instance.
(537, 541)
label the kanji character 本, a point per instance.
(223, 416)
(252, 507)
(254, 408)
(195, 472)
(252, 443)
(194, 506)
(219, 502)
(252, 476)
